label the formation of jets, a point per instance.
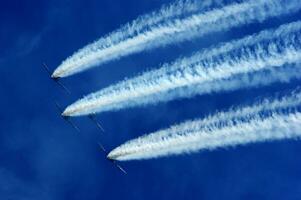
(92, 117)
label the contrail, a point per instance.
(267, 121)
(260, 59)
(184, 20)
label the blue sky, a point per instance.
(42, 157)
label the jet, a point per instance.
(66, 118)
(111, 160)
(56, 79)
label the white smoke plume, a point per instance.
(183, 20)
(260, 59)
(266, 121)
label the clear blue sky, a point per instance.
(42, 157)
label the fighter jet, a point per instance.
(56, 79)
(66, 118)
(111, 160)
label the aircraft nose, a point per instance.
(110, 156)
(65, 113)
(54, 75)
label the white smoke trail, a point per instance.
(268, 121)
(227, 67)
(184, 20)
